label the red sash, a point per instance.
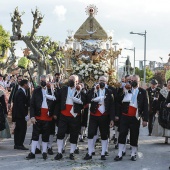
(44, 115)
(66, 112)
(131, 111)
(98, 113)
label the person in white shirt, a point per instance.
(69, 103)
(102, 112)
(41, 113)
(134, 107)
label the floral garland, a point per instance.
(94, 70)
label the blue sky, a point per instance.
(121, 16)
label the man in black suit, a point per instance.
(102, 112)
(69, 103)
(153, 94)
(14, 90)
(20, 115)
(41, 112)
(54, 122)
(133, 105)
(12, 95)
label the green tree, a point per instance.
(160, 77)
(149, 74)
(167, 75)
(139, 72)
(42, 48)
(4, 42)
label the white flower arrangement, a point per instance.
(96, 77)
(93, 70)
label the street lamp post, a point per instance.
(133, 49)
(125, 65)
(115, 44)
(143, 34)
(124, 68)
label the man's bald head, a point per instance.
(135, 78)
(75, 78)
(103, 79)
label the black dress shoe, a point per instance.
(63, 150)
(30, 156)
(44, 155)
(149, 134)
(123, 153)
(87, 157)
(58, 156)
(76, 151)
(93, 153)
(133, 158)
(81, 140)
(117, 158)
(103, 157)
(116, 146)
(106, 153)
(50, 151)
(37, 151)
(71, 156)
(22, 148)
(16, 147)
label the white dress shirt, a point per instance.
(70, 94)
(44, 103)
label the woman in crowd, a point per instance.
(4, 127)
(164, 110)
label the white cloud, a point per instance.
(125, 43)
(60, 11)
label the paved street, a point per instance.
(153, 155)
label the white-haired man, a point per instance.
(101, 110)
(41, 113)
(133, 107)
(69, 103)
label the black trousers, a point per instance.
(151, 121)
(84, 117)
(41, 127)
(129, 123)
(52, 127)
(98, 121)
(20, 132)
(73, 124)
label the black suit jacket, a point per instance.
(13, 92)
(21, 104)
(108, 102)
(142, 101)
(61, 98)
(36, 103)
(153, 104)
